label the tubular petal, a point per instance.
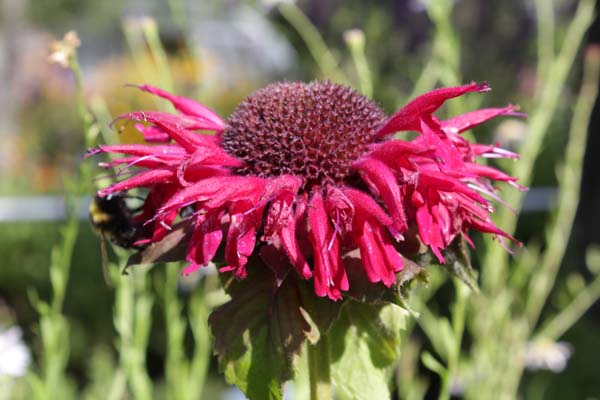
(407, 118)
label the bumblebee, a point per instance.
(111, 216)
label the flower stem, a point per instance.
(319, 370)
(459, 316)
(493, 277)
(571, 314)
(314, 41)
(569, 179)
(355, 40)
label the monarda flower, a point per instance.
(302, 173)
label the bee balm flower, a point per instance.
(312, 171)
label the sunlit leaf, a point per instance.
(260, 331)
(365, 342)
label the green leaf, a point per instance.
(377, 293)
(458, 263)
(260, 331)
(364, 343)
(439, 332)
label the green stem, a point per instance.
(150, 31)
(496, 260)
(459, 316)
(571, 314)
(313, 40)
(569, 184)
(355, 40)
(319, 370)
(544, 11)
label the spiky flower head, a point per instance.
(302, 173)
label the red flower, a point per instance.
(310, 171)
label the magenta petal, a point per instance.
(282, 184)
(141, 150)
(206, 239)
(142, 179)
(447, 154)
(329, 273)
(178, 127)
(489, 172)
(488, 227)
(429, 232)
(471, 119)
(241, 236)
(490, 151)
(209, 155)
(386, 184)
(367, 208)
(380, 259)
(370, 253)
(393, 259)
(153, 134)
(281, 193)
(247, 189)
(392, 150)
(163, 226)
(188, 106)
(193, 267)
(215, 191)
(443, 182)
(407, 118)
(292, 249)
(339, 206)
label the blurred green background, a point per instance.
(219, 52)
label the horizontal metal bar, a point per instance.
(38, 208)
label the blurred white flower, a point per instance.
(421, 5)
(14, 354)
(510, 134)
(275, 3)
(547, 354)
(61, 51)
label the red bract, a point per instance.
(310, 172)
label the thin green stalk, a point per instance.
(150, 30)
(133, 306)
(544, 11)
(319, 370)
(84, 115)
(564, 320)
(355, 40)
(446, 45)
(134, 36)
(54, 327)
(426, 81)
(185, 377)
(569, 185)
(444, 65)
(178, 14)
(459, 316)
(132, 30)
(198, 317)
(175, 327)
(118, 385)
(101, 113)
(496, 259)
(313, 40)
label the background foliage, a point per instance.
(147, 337)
